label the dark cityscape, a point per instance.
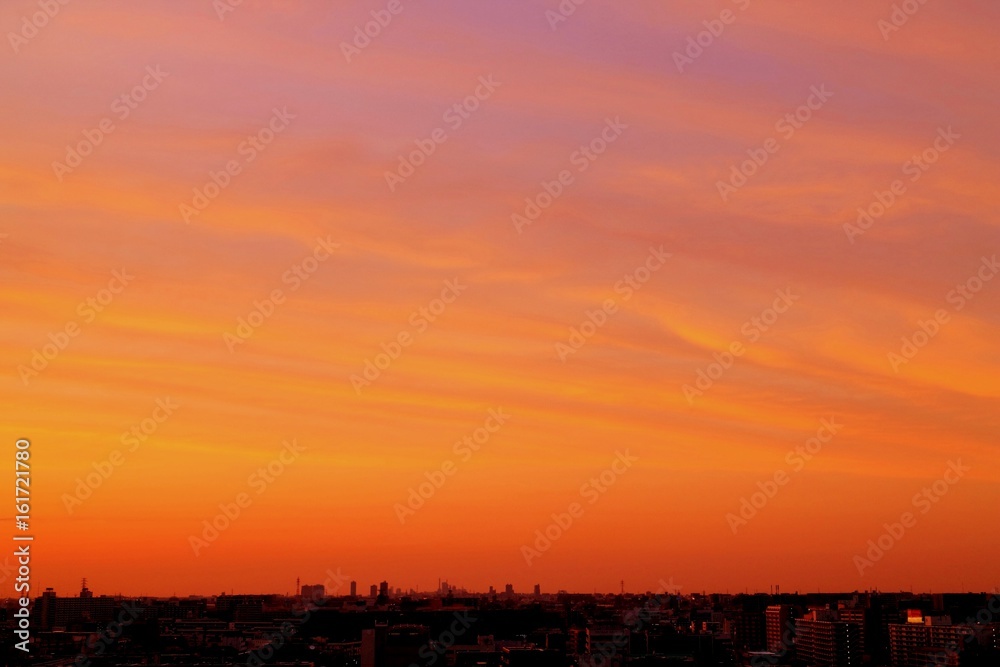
(379, 626)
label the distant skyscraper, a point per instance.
(538, 589)
(383, 589)
(315, 592)
(354, 589)
(509, 589)
(374, 590)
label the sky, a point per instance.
(502, 294)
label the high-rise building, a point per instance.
(989, 636)
(921, 636)
(373, 590)
(316, 592)
(354, 589)
(240, 607)
(383, 589)
(47, 609)
(824, 641)
(854, 613)
(67, 613)
(373, 643)
(538, 589)
(780, 624)
(747, 627)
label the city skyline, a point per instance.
(666, 589)
(507, 629)
(337, 584)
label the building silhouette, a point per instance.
(923, 639)
(822, 640)
(780, 622)
(314, 592)
(395, 646)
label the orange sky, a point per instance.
(390, 253)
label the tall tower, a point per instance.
(298, 586)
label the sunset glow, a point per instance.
(485, 258)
